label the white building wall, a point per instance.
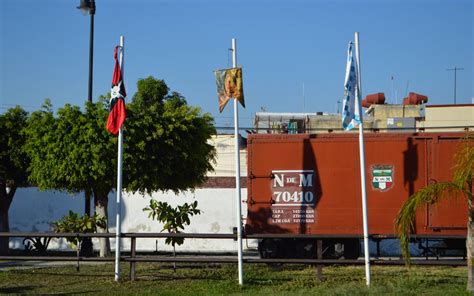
(449, 116)
(34, 211)
(218, 215)
(225, 162)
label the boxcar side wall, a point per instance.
(311, 183)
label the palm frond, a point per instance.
(464, 163)
(461, 183)
(430, 194)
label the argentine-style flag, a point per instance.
(351, 116)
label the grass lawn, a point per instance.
(154, 279)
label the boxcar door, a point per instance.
(450, 215)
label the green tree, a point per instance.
(165, 147)
(166, 141)
(460, 185)
(73, 152)
(13, 164)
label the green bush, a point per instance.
(75, 223)
(174, 219)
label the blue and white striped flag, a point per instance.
(351, 116)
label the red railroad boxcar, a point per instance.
(310, 184)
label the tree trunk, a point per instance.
(4, 227)
(470, 253)
(101, 202)
(87, 249)
(174, 255)
(6, 197)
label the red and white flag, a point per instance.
(117, 99)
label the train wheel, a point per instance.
(303, 249)
(351, 248)
(268, 248)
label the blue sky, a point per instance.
(281, 45)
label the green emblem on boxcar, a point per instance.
(382, 177)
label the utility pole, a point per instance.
(455, 69)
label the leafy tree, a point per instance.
(165, 141)
(13, 164)
(73, 152)
(165, 147)
(461, 184)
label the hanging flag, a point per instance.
(229, 85)
(351, 116)
(117, 99)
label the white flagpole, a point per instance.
(237, 174)
(362, 166)
(119, 182)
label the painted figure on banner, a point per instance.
(229, 85)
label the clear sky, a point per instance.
(293, 52)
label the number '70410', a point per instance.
(296, 197)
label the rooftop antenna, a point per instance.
(455, 69)
(393, 97)
(229, 56)
(304, 101)
(406, 90)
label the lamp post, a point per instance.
(88, 6)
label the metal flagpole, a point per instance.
(119, 182)
(237, 174)
(362, 166)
